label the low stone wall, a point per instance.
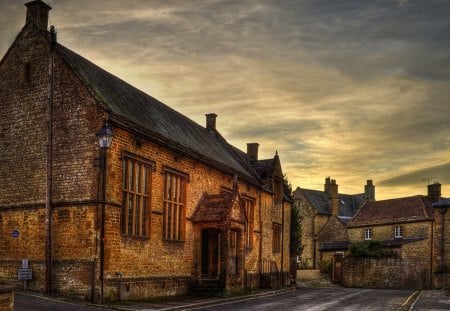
(393, 273)
(6, 298)
(139, 288)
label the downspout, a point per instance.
(260, 238)
(431, 281)
(282, 242)
(442, 211)
(49, 160)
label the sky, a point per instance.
(354, 90)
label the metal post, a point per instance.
(102, 229)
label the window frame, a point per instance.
(277, 230)
(139, 189)
(368, 234)
(174, 200)
(398, 232)
(249, 207)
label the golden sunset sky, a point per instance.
(354, 90)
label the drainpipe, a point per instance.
(260, 238)
(49, 173)
(282, 242)
(442, 211)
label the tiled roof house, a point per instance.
(168, 204)
(405, 225)
(324, 216)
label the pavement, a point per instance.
(431, 300)
(173, 303)
(423, 300)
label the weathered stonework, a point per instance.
(134, 267)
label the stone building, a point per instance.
(324, 216)
(404, 225)
(169, 203)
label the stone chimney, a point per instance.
(252, 151)
(211, 121)
(331, 189)
(434, 191)
(37, 12)
(369, 190)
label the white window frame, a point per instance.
(398, 232)
(368, 234)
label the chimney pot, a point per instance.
(369, 190)
(434, 191)
(211, 121)
(252, 151)
(37, 12)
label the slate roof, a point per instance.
(348, 204)
(344, 245)
(129, 106)
(334, 246)
(218, 208)
(398, 210)
(213, 207)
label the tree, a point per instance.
(295, 243)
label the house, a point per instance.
(161, 205)
(324, 216)
(404, 225)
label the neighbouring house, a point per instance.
(324, 216)
(168, 204)
(404, 225)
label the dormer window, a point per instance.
(398, 232)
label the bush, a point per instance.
(326, 266)
(372, 249)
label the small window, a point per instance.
(249, 211)
(27, 73)
(398, 232)
(276, 237)
(368, 234)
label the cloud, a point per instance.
(439, 173)
(352, 89)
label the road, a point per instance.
(311, 299)
(31, 302)
(323, 299)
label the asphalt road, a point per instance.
(30, 302)
(324, 299)
(311, 299)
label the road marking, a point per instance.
(62, 301)
(415, 301)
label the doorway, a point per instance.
(210, 254)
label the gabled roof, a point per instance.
(415, 208)
(348, 204)
(219, 208)
(140, 112)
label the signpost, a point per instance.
(24, 274)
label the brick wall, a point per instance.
(149, 266)
(307, 217)
(6, 298)
(393, 273)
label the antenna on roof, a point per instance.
(429, 180)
